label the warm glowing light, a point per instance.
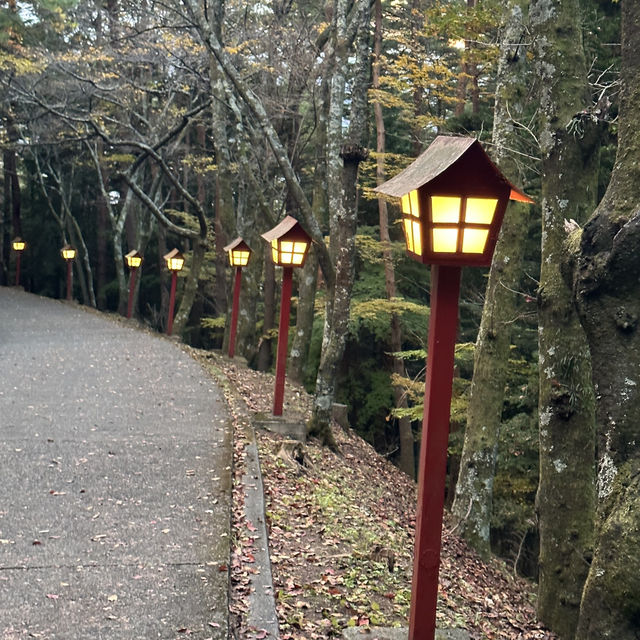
(19, 244)
(445, 209)
(480, 210)
(474, 240)
(287, 252)
(410, 204)
(174, 259)
(413, 235)
(68, 253)
(461, 225)
(239, 253)
(134, 259)
(239, 258)
(445, 240)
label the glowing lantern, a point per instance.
(289, 247)
(134, 259)
(453, 201)
(175, 262)
(68, 252)
(239, 254)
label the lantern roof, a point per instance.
(289, 227)
(451, 160)
(174, 253)
(134, 253)
(239, 244)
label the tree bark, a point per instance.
(406, 440)
(473, 500)
(342, 184)
(607, 291)
(566, 499)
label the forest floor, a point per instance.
(341, 528)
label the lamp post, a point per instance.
(69, 255)
(18, 245)
(239, 254)
(134, 260)
(289, 247)
(175, 262)
(453, 202)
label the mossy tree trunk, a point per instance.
(343, 159)
(474, 490)
(566, 499)
(607, 291)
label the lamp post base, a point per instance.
(399, 633)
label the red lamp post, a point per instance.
(289, 247)
(18, 245)
(69, 255)
(239, 254)
(453, 202)
(134, 260)
(175, 262)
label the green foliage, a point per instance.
(213, 323)
(375, 316)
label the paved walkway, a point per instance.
(114, 480)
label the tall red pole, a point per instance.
(234, 312)
(172, 301)
(132, 286)
(443, 324)
(69, 277)
(18, 255)
(283, 339)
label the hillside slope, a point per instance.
(341, 530)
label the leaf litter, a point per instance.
(341, 529)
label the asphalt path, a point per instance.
(114, 480)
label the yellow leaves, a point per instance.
(21, 64)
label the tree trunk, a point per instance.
(407, 461)
(265, 355)
(474, 489)
(607, 291)
(342, 185)
(305, 314)
(566, 500)
(309, 276)
(190, 287)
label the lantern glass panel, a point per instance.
(445, 209)
(238, 258)
(175, 264)
(445, 240)
(410, 204)
(134, 262)
(289, 252)
(18, 245)
(68, 254)
(480, 210)
(412, 233)
(474, 240)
